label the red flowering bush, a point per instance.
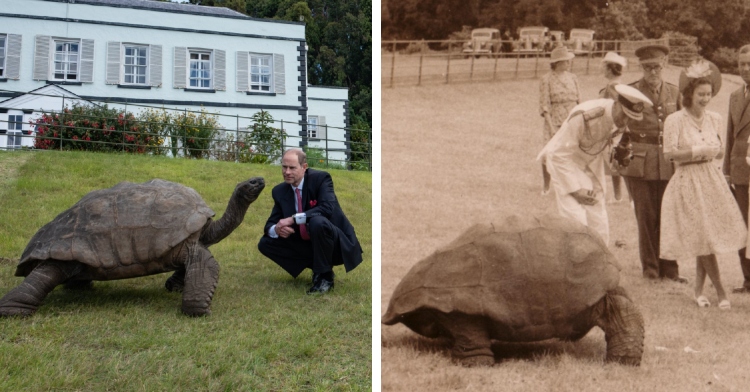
(93, 128)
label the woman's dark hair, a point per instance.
(616, 69)
(687, 93)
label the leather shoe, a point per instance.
(741, 290)
(322, 283)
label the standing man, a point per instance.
(649, 172)
(736, 168)
(307, 228)
(612, 65)
(578, 152)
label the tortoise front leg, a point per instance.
(26, 298)
(623, 327)
(201, 278)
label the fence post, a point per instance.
(393, 61)
(448, 65)
(419, 78)
(326, 126)
(237, 140)
(62, 110)
(536, 65)
(518, 61)
(494, 70)
(471, 70)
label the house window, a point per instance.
(15, 125)
(312, 127)
(135, 66)
(3, 39)
(200, 69)
(260, 72)
(66, 60)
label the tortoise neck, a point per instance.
(234, 214)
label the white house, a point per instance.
(178, 56)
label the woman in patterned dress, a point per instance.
(558, 93)
(698, 216)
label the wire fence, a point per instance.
(83, 124)
(408, 63)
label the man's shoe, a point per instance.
(741, 290)
(322, 284)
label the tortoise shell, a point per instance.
(531, 275)
(130, 223)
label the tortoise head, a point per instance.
(250, 190)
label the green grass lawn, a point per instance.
(264, 333)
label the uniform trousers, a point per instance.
(647, 196)
(740, 194)
(294, 254)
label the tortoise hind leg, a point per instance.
(201, 278)
(622, 323)
(26, 298)
(176, 282)
(471, 341)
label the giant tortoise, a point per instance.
(523, 279)
(127, 231)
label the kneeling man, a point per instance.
(307, 228)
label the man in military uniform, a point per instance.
(649, 172)
(736, 168)
(578, 152)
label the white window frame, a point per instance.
(3, 55)
(146, 67)
(312, 127)
(261, 70)
(15, 131)
(57, 41)
(211, 68)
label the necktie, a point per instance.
(302, 228)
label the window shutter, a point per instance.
(180, 67)
(41, 57)
(13, 57)
(220, 67)
(322, 130)
(87, 60)
(113, 62)
(154, 59)
(278, 74)
(242, 78)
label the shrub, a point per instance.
(726, 59)
(92, 128)
(263, 143)
(193, 134)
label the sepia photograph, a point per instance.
(564, 195)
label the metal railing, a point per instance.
(182, 133)
(443, 61)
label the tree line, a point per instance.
(718, 26)
(339, 41)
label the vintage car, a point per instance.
(556, 38)
(532, 40)
(581, 41)
(484, 41)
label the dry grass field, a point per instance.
(459, 154)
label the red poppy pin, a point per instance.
(313, 203)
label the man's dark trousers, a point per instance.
(740, 194)
(294, 254)
(647, 196)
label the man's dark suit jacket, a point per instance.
(738, 131)
(318, 198)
